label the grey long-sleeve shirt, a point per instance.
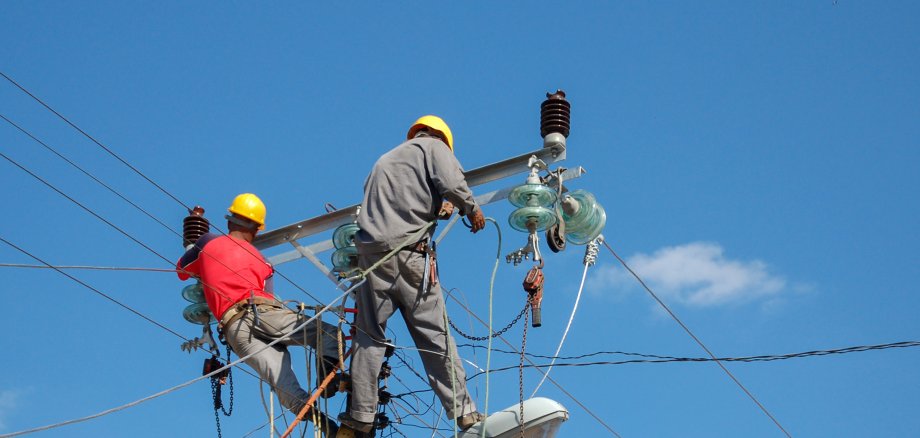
(404, 192)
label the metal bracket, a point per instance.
(311, 256)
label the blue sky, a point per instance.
(757, 161)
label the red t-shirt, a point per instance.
(229, 269)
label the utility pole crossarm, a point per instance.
(481, 175)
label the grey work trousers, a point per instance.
(274, 364)
(397, 285)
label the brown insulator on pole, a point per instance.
(194, 226)
(555, 114)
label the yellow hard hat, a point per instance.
(249, 206)
(434, 123)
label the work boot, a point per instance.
(322, 369)
(358, 426)
(467, 421)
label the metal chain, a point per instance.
(230, 382)
(521, 366)
(214, 390)
(496, 334)
(216, 396)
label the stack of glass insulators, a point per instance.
(197, 312)
(345, 257)
(534, 212)
(587, 221)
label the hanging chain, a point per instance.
(496, 334)
(521, 366)
(216, 382)
(230, 382)
(216, 416)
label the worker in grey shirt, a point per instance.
(410, 186)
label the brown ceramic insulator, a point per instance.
(555, 114)
(194, 226)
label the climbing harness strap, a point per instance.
(243, 306)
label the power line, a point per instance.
(698, 341)
(84, 267)
(87, 209)
(65, 119)
(104, 295)
(654, 358)
(85, 172)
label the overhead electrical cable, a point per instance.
(87, 209)
(698, 341)
(103, 294)
(654, 358)
(86, 267)
(91, 138)
(85, 172)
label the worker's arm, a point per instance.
(447, 175)
(188, 265)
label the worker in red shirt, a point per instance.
(237, 283)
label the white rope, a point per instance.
(271, 412)
(564, 334)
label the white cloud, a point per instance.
(695, 274)
(8, 402)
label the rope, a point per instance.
(498, 255)
(698, 341)
(589, 260)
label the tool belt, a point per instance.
(244, 305)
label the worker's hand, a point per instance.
(447, 209)
(477, 220)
